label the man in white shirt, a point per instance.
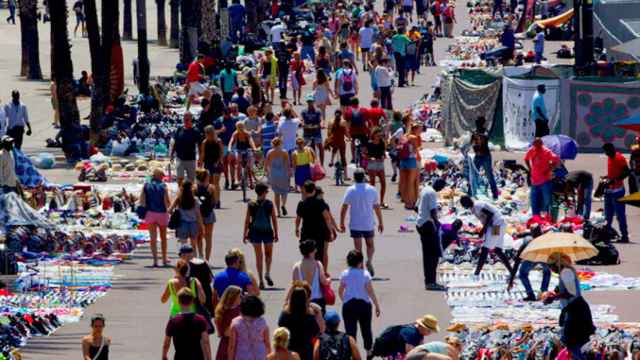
(288, 130)
(493, 229)
(362, 201)
(383, 76)
(276, 33)
(366, 41)
(17, 119)
(428, 227)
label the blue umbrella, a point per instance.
(562, 145)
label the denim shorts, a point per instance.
(187, 229)
(362, 234)
(409, 164)
(315, 139)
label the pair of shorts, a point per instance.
(362, 234)
(313, 139)
(196, 88)
(261, 239)
(494, 238)
(407, 9)
(345, 100)
(364, 50)
(157, 218)
(187, 230)
(186, 167)
(210, 219)
(412, 63)
(409, 164)
(215, 169)
(375, 165)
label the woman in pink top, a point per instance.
(540, 162)
(249, 335)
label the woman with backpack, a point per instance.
(205, 192)
(261, 229)
(334, 344)
(190, 225)
(155, 199)
(212, 150)
(357, 294)
(179, 281)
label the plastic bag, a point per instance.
(44, 161)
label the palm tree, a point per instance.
(127, 22)
(29, 31)
(162, 23)
(100, 47)
(143, 58)
(174, 37)
(207, 22)
(62, 66)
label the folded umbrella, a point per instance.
(573, 245)
(631, 123)
(562, 145)
(631, 199)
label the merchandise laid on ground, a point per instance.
(66, 241)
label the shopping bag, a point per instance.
(317, 172)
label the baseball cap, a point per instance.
(332, 318)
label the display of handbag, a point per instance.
(174, 220)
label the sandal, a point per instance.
(269, 280)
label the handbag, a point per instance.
(141, 210)
(174, 220)
(317, 172)
(328, 294)
(602, 185)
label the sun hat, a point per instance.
(332, 318)
(430, 322)
(310, 98)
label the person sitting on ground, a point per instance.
(84, 84)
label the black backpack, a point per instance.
(387, 343)
(335, 347)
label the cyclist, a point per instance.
(244, 146)
(312, 126)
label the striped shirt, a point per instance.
(269, 130)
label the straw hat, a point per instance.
(430, 322)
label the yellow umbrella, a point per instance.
(573, 245)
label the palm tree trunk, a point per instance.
(97, 66)
(162, 22)
(62, 65)
(127, 21)
(143, 58)
(174, 39)
(28, 16)
(207, 23)
(109, 22)
(252, 14)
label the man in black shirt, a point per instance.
(283, 56)
(186, 141)
(482, 159)
(581, 183)
(188, 331)
(317, 224)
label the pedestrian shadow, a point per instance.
(273, 289)
(380, 279)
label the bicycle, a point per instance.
(244, 171)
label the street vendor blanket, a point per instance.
(591, 108)
(516, 103)
(464, 102)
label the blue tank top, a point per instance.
(154, 196)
